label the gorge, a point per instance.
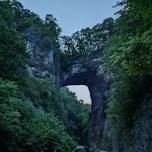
(38, 113)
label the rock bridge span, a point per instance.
(87, 70)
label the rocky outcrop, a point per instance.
(41, 63)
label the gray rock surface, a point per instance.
(85, 71)
(41, 63)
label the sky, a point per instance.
(72, 16)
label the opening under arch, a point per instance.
(82, 92)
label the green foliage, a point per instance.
(24, 18)
(25, 129)
(47, 30)
(40, 92)
(52, 29)
(85, 42)
(14, 115)
(88, 40)
(48, 134)
(64, 104)
(135, 16)
(76, 115)
(12, 48)
(134, 56)
(128, 65)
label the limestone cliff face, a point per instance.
(42, 62)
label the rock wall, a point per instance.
(138, 138)
(96, 124)
(42, 62)
(87, 71)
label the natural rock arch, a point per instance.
(85, 70)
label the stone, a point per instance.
(41, 63)
(85, 71)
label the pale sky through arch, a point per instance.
(73, 15)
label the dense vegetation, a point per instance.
(129, 67)
(34, 115)
(86, 41)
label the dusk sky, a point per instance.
(73, 15)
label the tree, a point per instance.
(12, 47)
